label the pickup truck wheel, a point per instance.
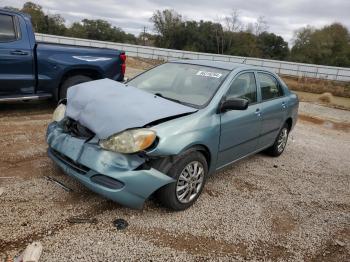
(71, 81)
(280, 143)
(190, 172)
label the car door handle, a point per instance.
(284, 105)
(258, 112)
(18, 52)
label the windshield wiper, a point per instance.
(168, 98)
(176, 101)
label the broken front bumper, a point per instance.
(113, 175)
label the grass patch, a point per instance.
(318, 86)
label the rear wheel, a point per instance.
(280, 143)
(71, 81)
(190, 172)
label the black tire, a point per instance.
(278, 147)
(167, 195)
(71, 81)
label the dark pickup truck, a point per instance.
(31, 70)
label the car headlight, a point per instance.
(130, 141)
(59, 113)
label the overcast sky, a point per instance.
(283, 16)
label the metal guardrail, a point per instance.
(280, 67)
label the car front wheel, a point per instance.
(190, 173)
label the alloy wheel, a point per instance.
(190, 182)
(282, 140)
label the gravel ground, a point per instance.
(292, 208)
(324, 112)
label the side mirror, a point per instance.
(234, 104)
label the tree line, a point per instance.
(329, 45)
(228, 35)
(96, 29)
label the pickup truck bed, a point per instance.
(34, 70)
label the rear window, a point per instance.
(7, 28)
(270, 88)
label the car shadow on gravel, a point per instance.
(27, 107)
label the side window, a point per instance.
(270, 88)
(7, 28)
(244, 86)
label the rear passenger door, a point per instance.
(273, 108)
(16, 57)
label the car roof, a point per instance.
(220, 64)
(211, 63)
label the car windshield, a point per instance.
(188, 84)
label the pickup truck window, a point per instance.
(7, 28)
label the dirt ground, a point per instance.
(336, 101)
(292, 208)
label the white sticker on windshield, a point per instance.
(208, 74)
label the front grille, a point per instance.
(75, 129)
(81, 169)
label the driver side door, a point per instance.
(240, 129)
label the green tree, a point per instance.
(272, 46)
(329, 45)
(169, 27)
(202, 36)
(244, 44)
(206, 36)
(55, 25)
(301, 51)
(91, 29)
(173, 32)
(37, 16)
(77, 30)
(42, 23)
(99, 30)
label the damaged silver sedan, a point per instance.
(166, 130)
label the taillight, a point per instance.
(123, 59)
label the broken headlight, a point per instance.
(130, 141)
(59, 113)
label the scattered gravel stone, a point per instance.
(80, 220)
(340, 243)
(120, 223)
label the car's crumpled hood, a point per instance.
(107, 107)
